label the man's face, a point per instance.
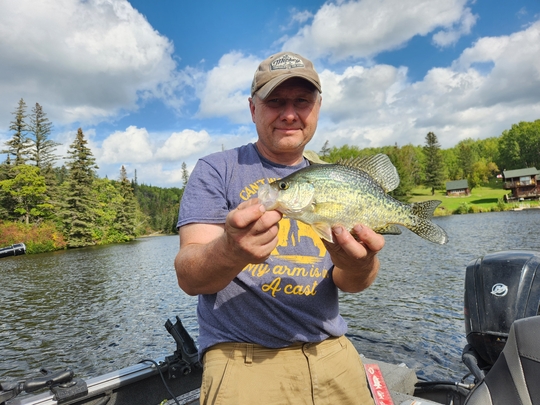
(287, 119)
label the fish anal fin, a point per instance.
(389, 229)
(324, 231)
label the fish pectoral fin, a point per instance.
(389, 229)
(323, 230)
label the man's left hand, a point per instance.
(355, 259)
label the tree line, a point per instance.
(68, 204)
(476, 160)
(72, 207)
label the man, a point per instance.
(269, 325)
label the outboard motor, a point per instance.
(500, 288)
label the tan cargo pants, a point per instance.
(326, 373)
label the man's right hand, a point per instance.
(211, 255)
(252, 231)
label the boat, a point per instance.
(14, 250)
(502, 323)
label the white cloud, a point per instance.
(95, 60)
(360, 90)
(182, 144)
(81, 60)
(362, 29)
(301, 16)
(226, 90)
(157, 157)
(451, 35)
(377, 106)
(132, 145)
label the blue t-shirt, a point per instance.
(289, 298)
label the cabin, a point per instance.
(457, 188)
(523, 184)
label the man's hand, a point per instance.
(251, 231)
(355, 260)
(211, 255)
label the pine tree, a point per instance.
(434, 162)
(80, 202)
(325, 150)
(4, 168)
(41, 147)
(41, 150)
(127, 210)
(18, 145)
(185, 175)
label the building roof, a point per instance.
(529, 171)
(457, 185)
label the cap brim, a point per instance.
(265, 90)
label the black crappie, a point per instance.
(349, 193)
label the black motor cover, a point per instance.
(499, 288)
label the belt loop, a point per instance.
(343, 341)
(249, 354)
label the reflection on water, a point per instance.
(99, 309)
(413, 313)
(94, 309)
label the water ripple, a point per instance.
(102, 308)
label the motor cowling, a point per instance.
(500, 288)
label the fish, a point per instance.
(350, 192)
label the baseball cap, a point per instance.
(280, 67)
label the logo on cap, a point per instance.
(499, 290)
(287, 62)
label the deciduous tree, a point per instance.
(26, 188)
(519, 147)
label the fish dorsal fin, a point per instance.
(379, 167)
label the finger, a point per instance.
(268, 220)
(343, 240)
(245, 214)
(369, 238)
(248, 203)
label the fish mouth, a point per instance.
(268, 196)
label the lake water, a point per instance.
(103, 308)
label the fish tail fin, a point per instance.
(423, 226)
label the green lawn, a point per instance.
(482, 199)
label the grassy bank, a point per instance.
(487, 198)
(44, 237)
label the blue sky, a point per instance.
(157, 83)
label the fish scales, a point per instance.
(349, 193)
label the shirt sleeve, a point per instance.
(204, 199)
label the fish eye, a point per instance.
(283, 185)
